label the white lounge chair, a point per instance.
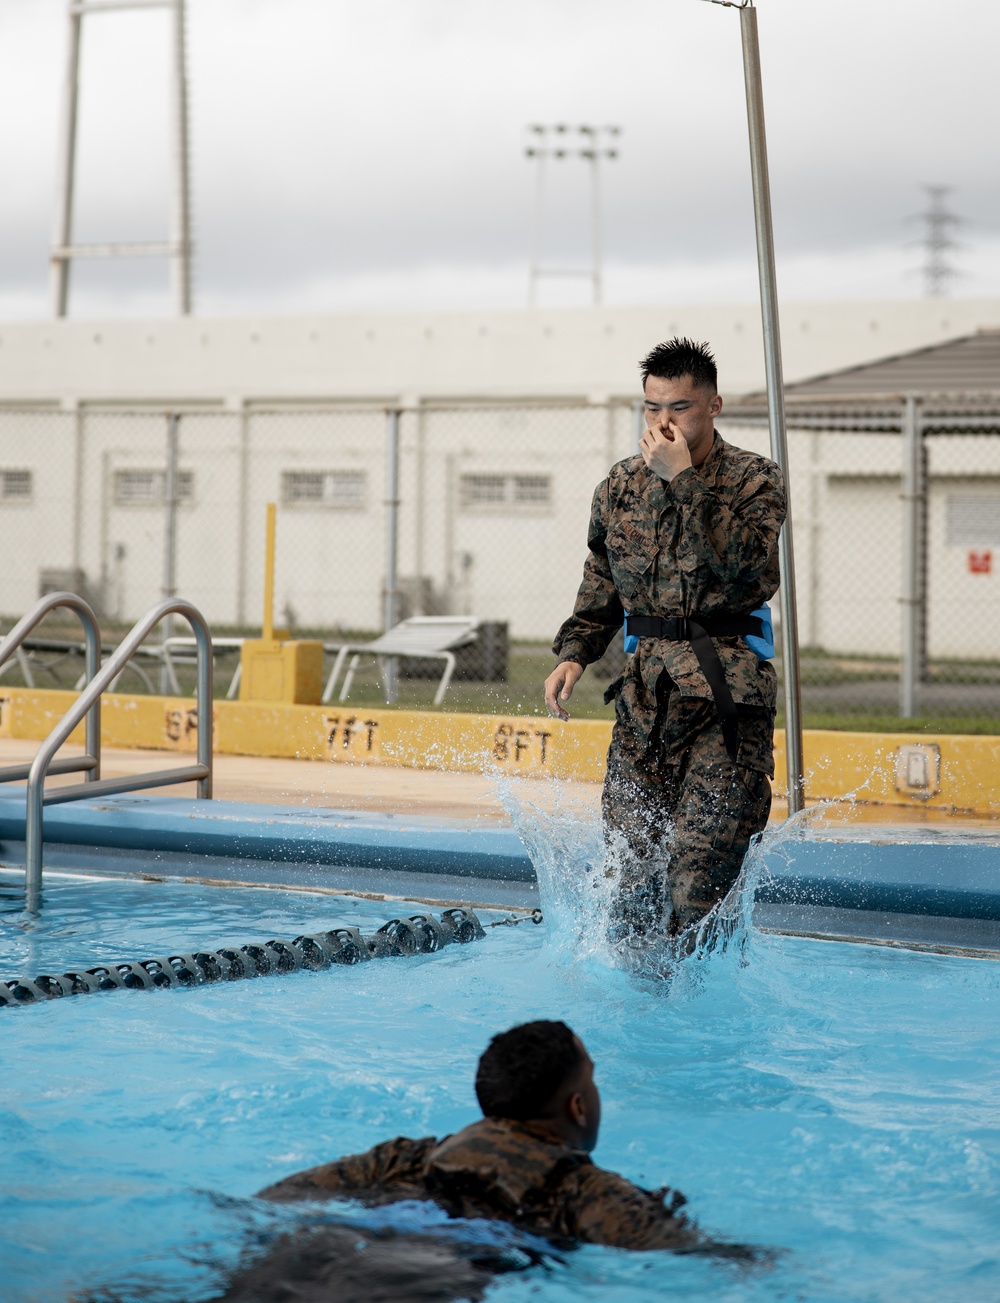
(430, 637)
(181, 650)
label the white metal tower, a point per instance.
(937, 242)
(178, 247)
(550, 142)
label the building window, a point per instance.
(532, 490)
(972, 519)
(149, 488)
(338, 489)
(493, 492)
(15, 486)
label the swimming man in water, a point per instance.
(526, 1161)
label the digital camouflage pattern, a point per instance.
(330, 1263)
(505, 1170)
(679, 820)
(706, 543)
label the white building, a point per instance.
(510, 420)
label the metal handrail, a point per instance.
(90, 762)
(113, 666)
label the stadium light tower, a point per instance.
(178, 247)
(547, 142)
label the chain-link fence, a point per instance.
(896, 519)
(494, 504)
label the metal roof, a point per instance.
(968, 365)
(957, 382)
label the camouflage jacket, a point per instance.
(503, 1170)
(704, 543)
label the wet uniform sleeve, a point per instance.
(598, 613)
(734, 536)
(604, 1208)
(388, 1166)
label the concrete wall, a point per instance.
(573, 352)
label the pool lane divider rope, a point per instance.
(420, 934)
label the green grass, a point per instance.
(877, 723)
(529, 663)
(521, 695)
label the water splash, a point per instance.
(565, 842)
(580, 874)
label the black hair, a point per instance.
(522, 1070)
(681, 357)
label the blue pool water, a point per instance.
(839, 1102)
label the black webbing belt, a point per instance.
(699, 630)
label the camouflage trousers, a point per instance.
(679, 814)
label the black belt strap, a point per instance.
(699, 630)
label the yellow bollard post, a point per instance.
(273, 667)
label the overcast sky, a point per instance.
(355, 154)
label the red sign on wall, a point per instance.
(980, 563)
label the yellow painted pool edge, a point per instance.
(861, 766)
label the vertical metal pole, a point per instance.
(33, 831)
(450, 497)
(104, 543)
(206, 721)
(181, 233)
(76, 549)
(33, 848)
(243, 516)
(92, 728)
(912, 601)
(815, 536)
(595, 221)
(391, 608)
(62, 234)
(922, 558)
(536, 229)
(420, 515)
(169, 590)
(267, 633)
(775, 400)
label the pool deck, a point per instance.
(435, 793)
(900, 876)
(379, 789)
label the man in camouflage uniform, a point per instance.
(687, 529)
(527, 1161)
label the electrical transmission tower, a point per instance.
(178, 247)
(937, 242)
(550, 142)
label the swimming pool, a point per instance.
(836, 1101)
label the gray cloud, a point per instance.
(341, 150)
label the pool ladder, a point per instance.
(88, 706)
